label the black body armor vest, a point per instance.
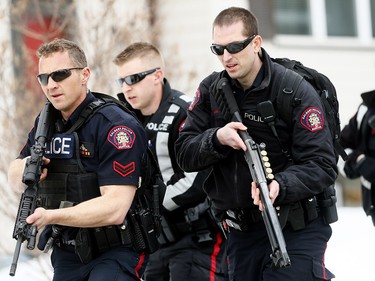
(67, 179)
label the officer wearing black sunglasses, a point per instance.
(208, 139)
(90, 174)
(191, 243)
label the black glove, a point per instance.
(351, 169)
(366, 167)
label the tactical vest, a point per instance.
(67, 179)
(163, 128)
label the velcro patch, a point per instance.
(121, 137)
(312, 119)
(123, 170)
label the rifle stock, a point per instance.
(256, 158)
(22, 230)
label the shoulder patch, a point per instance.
(121, 137)
(312, 119)
(196, 99)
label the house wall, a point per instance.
(186, 38)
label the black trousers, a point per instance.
(185, 260)
(249, 253)
(117, 264)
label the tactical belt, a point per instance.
(196, 221)
(100, 239)
(66, 245)
(296, 214)
(242, 218)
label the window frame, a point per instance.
(319, 31)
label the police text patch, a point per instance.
(121, 137)
(312, 119)
(61, 146)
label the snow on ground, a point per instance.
(35, 269)
(350, 252)
(349, 255)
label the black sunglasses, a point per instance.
(135, 78)
(56, 76)
(232, 48)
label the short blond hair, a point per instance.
(139, 50)
(75, 53)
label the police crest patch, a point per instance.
(121, 137)
(312, 119)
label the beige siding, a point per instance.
(186, 37)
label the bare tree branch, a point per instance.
(103, 30)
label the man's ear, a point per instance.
(257, 43)
(159, 74)
(85, 75)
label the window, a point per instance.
(292, 17)
(326, 18)
(372, 9)
(340, 16)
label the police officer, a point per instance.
(91, 172)
(191, 244)
(208, 140)
(358, 139)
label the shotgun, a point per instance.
(256, 158)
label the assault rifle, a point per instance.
(256, 158)
(31, 176)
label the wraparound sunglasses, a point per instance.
(56, 76)
(232, 48)
(135, 78)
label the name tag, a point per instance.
(61, 146)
